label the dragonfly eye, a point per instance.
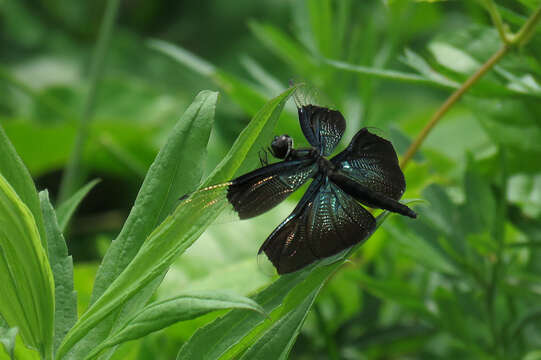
(281, 146)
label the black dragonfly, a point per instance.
(329, 217)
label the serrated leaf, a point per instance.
(174, 172)
(65, 211)
(173, 236)
(164, 313)
(27, 300)
(65, 311)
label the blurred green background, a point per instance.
(461, 281)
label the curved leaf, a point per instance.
(229, 336)
(174, 172)
(65, 211)
(176, 233)
(164, 313)
(27, 299)
(16, 174)
(65, 312)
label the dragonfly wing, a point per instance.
(261, 190)
(326, 222)
(254, 193)
(322, 127)
(372, 162)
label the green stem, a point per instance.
(451, 100)
(73, 173)
(497, 21)
(525, 33)
(520, 39)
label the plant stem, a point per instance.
(525, 33)
(451, 100)
(520, 39)
(73, 176)
(497, 20)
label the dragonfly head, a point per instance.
(281, 146)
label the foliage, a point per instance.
(461, 281)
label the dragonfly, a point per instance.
(330, 216)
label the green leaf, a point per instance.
(286, 48)
(393, 75)
(397, 291)
(65, 211)
(464, 64)
(279, 339)
(174, 172)
(480, 205)
(27, 300)
(173, 236)
(65, 311)
(248, 98)
(163, 185)
(164, 313)
(16, 174)
(421, 252)
(229, 336)
(215, 339)
(453, 58)
(421, 65)
(7, 338)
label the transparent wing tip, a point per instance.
(265, 266)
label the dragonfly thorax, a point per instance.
(325, 165)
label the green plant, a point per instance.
(461, 281)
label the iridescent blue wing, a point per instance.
(372, 162)
(255, 192)
(322, 127)
(326, 221)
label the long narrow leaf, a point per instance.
(27, 300)
(278, 341)
(248, 98)
(65, 211)
(286, 48)
(393, 75)
(231, 335)
(174, 235)
(65, 312)
(174, 172)
(161, 314)
(16, 174)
